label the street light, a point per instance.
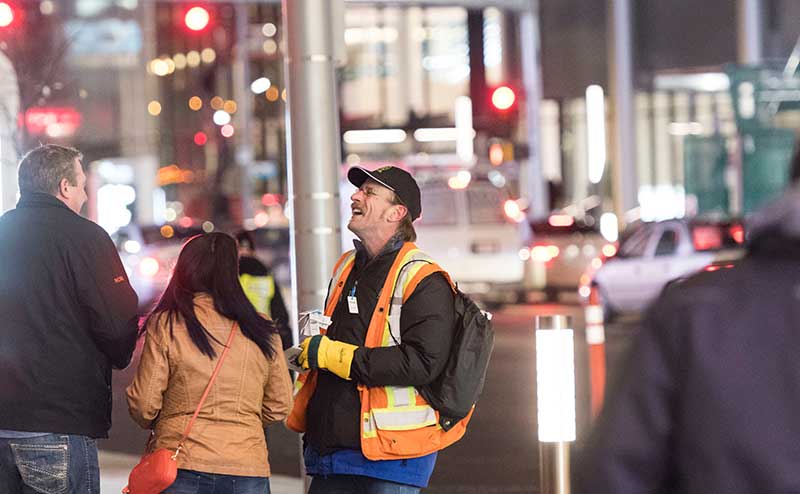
(596, 132)
(555, 393)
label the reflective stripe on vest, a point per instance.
(405, 409)
(388, 419)
(412, 262)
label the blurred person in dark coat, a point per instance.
(709, 400)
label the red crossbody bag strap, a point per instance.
(208, 389)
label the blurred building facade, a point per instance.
(199, 113)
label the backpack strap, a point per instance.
(425, 271)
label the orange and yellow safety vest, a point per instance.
(396, 421)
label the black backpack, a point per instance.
(456, 390)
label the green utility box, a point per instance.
(766, 156)
(704, 160)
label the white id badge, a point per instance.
(352, 304)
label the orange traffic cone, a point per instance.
(596, 341)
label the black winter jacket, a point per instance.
(68, 316)
(426, 331)
(710, 398)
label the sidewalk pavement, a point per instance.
(115, 467)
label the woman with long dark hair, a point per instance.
(185, 334)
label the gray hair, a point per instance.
(43, 168)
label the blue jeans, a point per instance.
(356, 484)
(191, 482)
(50, 464)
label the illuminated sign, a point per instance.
(52, 121)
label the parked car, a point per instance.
(560, 252)
(148, 254)
(653, 254)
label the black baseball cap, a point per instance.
(395, 179)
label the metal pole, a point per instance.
(140, 86)
(314, 149)
(401, 96)
(748, 52)
(554, 468)
(749, 32)
(536, 189)
(241, 88)
(621, 89)
(555, 387)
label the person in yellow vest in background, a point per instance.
(367, 429)
(260, 287)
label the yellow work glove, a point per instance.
(321, 352)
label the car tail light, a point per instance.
(149, 267)
(737, 232)
(706, 237)
(716, 267)
(544, 253)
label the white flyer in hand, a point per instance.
(311, 322)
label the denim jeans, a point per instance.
(356, 484)
(191, 482)
(49, 464)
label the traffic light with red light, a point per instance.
(501, 115)
(503, 98)
(8, 15)
(197, 18)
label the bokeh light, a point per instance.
(154, 108)
(195, 103)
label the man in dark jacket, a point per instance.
(710, 398)
(383, 209)
(68, 316)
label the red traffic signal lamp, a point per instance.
(197, 18)
(7, 15)
(500, 115)
(503, 98)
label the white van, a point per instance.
(468, 232)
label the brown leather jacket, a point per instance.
(249, 392)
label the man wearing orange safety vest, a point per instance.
(367, 429)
